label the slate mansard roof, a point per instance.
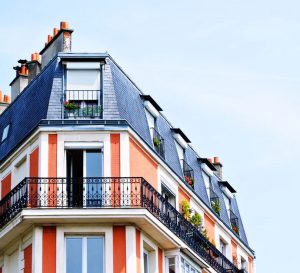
(42, 100)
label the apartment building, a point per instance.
(95, 179)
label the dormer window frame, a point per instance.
(88, 102)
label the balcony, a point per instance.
(158, 142)
(82, 104)
(234, 220)
(215, 202)
(188, 173)
(100, 192)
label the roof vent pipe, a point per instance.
(34, 66)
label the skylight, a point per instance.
(5, 133)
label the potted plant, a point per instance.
(215, 204)
(185, 208)
(156, 142)
(205, 235)
(71, 105)
(235, 229)
(189, 180)
(92, 111)
(196, 220)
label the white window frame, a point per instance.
(180, 152)
(163, 185)
(223, 243)
(63, 231)
(84, 250)
(227, 204)
(151, 120)
(207, 187)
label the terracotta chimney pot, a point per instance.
(33, 57)
(210, 160)
(23, 70)
(37, 56)
(55, 31)
(49, 38)
(0, 96)
(64, 25)
(216, 160)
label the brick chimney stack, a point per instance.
(34, 66)
(218, 165)
(21, 79)
(61, 41)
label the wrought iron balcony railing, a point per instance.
(215, 201)
(188, 173)
(234, 220)
(82, 104)
(158, 142)
(56, 193)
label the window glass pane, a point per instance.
(74, 255)
(95, 255)
(146, 266)
(206, 179)
(20, 171)
(187, 268)
(83, 79)
(151, 122)
(93, 163)
(94, 169)
(171, 265)
(5, 133)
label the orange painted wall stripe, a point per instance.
(115, 154)
(28, 259)
(182, 195)
(210, 227)
(5, 185)
(234, 252)
(52, 156)
(142, 164)
(138, 250)
(115, 166)
(33, 172)
(119, 252)
(250, 264)
(52, 168)
(34, 163)
(160, 261)
(49, 250)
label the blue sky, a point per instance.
(226, 72)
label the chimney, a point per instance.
(61, 41)
(218, 166)
(34, 66)
(21, 79)
(4, 102)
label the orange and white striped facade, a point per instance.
(35, 240)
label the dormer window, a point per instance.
(5, 133)
(83, 90)
(152, 112)
(151, 122)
